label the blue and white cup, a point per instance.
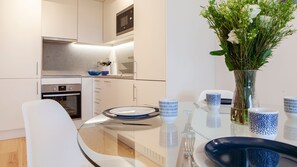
(213, 101)
(263, 123)
(290, 106)
(168, 110)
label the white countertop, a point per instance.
(66, 74)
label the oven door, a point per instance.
(71, 101)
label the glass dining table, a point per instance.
(151, 142)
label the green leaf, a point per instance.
(217, 52)
(229, 64)
(266, 54)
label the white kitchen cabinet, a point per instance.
(59, 19)
(20, 44)
(87, 98)
(110, 93)
(90, 21)
(14, 93)
(98, 96)
(149, 92)
(122, 91)
(150, 39)
(110, 9)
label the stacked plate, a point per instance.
(133, 112)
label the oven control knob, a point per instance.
(55, 89)
(70, 87)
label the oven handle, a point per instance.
(59, 95)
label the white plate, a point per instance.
(224, 108)
(132, 111)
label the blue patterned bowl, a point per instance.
(263, 122)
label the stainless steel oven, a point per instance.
(68, 95)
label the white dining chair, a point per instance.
(51, 139)
(224, 94)
(51, 136)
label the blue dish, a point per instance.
(105, 72)
(248, 151)
(94, 72)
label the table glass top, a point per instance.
(151, 142)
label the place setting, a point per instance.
(260, 147)
(132, 112)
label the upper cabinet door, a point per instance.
(110, 9)
(90, 21)
(150, 39)
(20, 44)
(59, 19)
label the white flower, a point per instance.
(265, 20)
(253, 11)
(233, 37)
(203, 12)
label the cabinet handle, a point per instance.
(37, 91)
(107, 81)
(36, 68)
(135, 69)
(96, 99)
(134, 93)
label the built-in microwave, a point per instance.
(125, 20)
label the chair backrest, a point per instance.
(224, 94)
(50, 136)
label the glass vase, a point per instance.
(244, 95)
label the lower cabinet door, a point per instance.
(14, 92)
(109, 93)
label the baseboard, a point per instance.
(11, 134)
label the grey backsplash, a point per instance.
(77, 57)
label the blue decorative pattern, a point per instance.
(168, 108)
(290, 105)
(263, 124)
(262, 157)
(213, 99)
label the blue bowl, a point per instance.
(94, 72)
(104, 72)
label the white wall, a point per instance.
(190, 68)
(275, 80)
